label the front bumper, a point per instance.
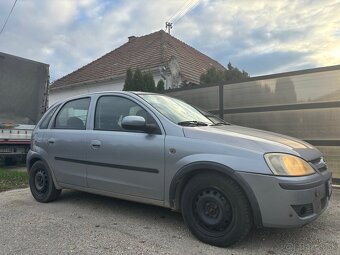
(289, 201)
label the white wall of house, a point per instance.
(56, 95)
(63, 93)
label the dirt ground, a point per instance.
(81, 223)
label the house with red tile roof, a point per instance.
(163, 55)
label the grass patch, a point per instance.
(11, 179)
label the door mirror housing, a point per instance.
(134, 123)
(138, 123)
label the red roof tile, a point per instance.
(145, 52)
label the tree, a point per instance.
(215, 76)
(138, 81)
(160, 85)
(234, 74)
(128, 84)
(149, 82)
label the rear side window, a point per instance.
(73, 115)
(47, 117)
(111, 110)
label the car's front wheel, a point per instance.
(41, 183)
(216, 209)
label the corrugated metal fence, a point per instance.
(303, 104)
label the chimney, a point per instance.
(131, 38)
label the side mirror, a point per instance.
(134, 123)
(138, 123)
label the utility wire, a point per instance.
(180, 10)
(183, 10)
(3, 27)
(194, 4)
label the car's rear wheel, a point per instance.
(216, 209)
(41, 183)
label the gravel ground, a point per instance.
(80, 223)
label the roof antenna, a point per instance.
(168, 26)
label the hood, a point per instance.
(253, 139)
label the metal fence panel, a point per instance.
(306, 124)
(210, 100)
(303, 104)
(296, 89)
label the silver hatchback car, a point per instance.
(155, 149)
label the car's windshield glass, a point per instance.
(177, 111)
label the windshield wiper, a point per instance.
(192, 123)
(220, 123)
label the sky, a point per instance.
(258, 36)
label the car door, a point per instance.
(66, 142)
(121, 161)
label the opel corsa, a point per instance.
(155, 149)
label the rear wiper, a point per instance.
(191, 123)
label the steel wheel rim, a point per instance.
(41, 181)
(212, 211)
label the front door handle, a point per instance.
(51, 140)
(95, 144)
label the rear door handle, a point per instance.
(51, 141)
(95, 144)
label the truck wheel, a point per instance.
(41, 183)
(216, 210)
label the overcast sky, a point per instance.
(259, 36)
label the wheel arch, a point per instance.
(182, 177)
(35, 158)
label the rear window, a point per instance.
(47, 117)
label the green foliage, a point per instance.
(138, 81)
(11, 179)
(128, 85)
(187, 84)
(215, 76)
(234, 74)
(160, 85)
(149, 82)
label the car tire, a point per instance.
(41, 183)
(216, 210)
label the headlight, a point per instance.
(288, 165)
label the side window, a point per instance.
(47, 117)
(73, 115)
(110, 111)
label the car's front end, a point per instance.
(289, 177)
(291, 201)
(219, 174)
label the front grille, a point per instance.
(319, 164)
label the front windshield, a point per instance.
(176, 110)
